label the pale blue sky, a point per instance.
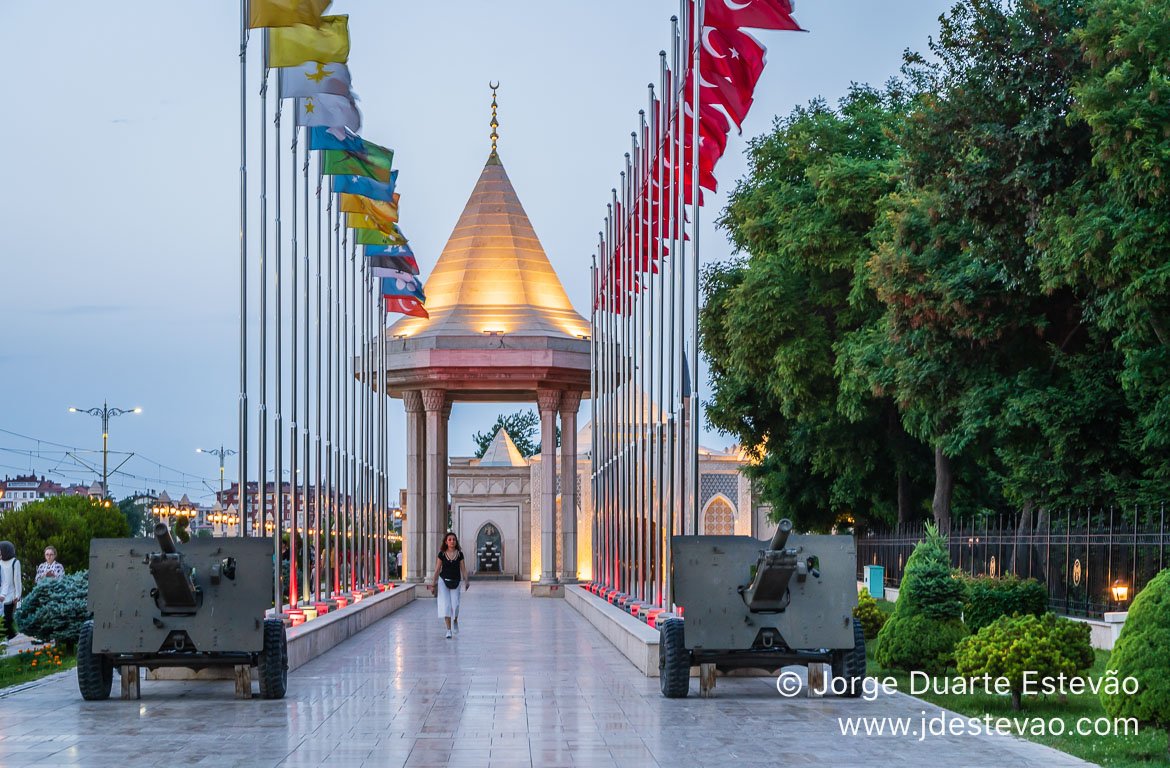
(119, 211)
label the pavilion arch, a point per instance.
(719, 516)
(489, 533)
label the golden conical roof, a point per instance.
(493, 275)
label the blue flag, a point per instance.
(321, 138)
(370, 251)
(367, 187)
(400, 286)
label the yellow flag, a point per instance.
(383, 214)
(293, 46)
(362, 221)
(285, 13)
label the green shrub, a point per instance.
(55, 610)
(1008, 647)
(929, 586)
(65, 522)
(867, 613)
(1142, 652)
(917, 642)
(926, 623)
(989, 598)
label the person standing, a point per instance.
(398, 564)
(9, 586)
(50, 569)
(450, 571)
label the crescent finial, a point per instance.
(495, 124)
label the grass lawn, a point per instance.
(1147, 748)
(28, 666)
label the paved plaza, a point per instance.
(528, 683)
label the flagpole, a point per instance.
(320, 539)
(655, 340)
(278, 421)
(593, 569)
(614, 462)
(695, 411)
(346, 424)
(678, 247)
(306, 468)
(331, 383)
(639, 363)
(262, 487)
(294, 489)
(384, 491)
(242, 449)
(664, 526)
(351, 341)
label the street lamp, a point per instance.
(220, 452)
(105, 412)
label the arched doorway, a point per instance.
(489, 549)
(719, 517)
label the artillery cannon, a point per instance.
(203, 607)
(764, 605)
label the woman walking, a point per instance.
(9, 586)
(450, 570)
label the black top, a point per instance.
(449, 569)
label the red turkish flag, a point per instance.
(735, 98)
(406, 305)
(757, 14)
(732, 53)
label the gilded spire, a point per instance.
(495, 136)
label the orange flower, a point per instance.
(34, 664)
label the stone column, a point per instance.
(444, 487)
(548, 400)
(570, 401)
(414, 529)
(434, 401)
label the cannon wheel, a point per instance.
(95, 673)
(850, 663)
(273, 666)
(674, 663)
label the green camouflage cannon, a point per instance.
(758, 604)
(204, 607)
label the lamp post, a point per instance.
(105, 412)
(221, 453)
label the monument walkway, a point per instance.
(527, 683)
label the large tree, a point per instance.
(64, 522)
(772, 321)
(982, 355)
(522, 426)
(1109, 235)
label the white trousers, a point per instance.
(448, 600)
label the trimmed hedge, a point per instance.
(926, 623)
(989, 598)
(1008, 647)
(1142, 652)
(867, 613)
(55, 610)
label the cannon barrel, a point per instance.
(165, 542)
(781, 536)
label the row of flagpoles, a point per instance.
(338, 497)
(646, 293)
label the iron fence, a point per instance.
(1080, 555)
